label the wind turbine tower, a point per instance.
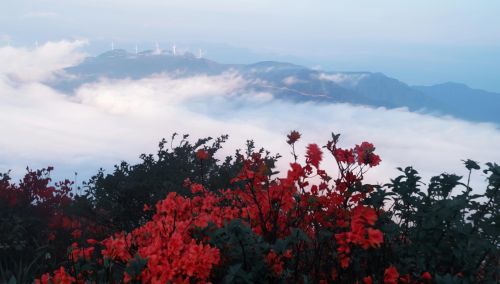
(200, 53)
(173, 49)
(157, 49)
(112, 45)
(36, 43)
(136, 49)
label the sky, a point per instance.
(110, 120)
(419, 42)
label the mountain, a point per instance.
(471, 104)
(294, 82)
(119, 64)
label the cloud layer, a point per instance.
(112, 120)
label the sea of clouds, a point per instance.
(107, 121)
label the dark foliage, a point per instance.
(118, 198)
(439, 232)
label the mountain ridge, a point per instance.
(295, 83)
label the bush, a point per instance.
(306, 226)
(35, 231)
(116, 200)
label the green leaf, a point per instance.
(471, 165)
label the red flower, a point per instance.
(344, 261)
(426, 276)
(344, 156)
(293, 137)
(375, 237)
(116, 247)
(367, 280)
(365, 154)
(81, 253)
(369, 215)
(314, 155)
(44, 279)
(197, 188)
(288, 253)
(52, 236)
(202, 154)
(273, 260)
(76, 234)
(334, 274)
(61, 277)
(391, 275)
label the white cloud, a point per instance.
(149, 95)
(343, 79)
(38, 64)
(291, 80)
(111, 120)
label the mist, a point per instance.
(108, 121)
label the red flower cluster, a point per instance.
(360, 234)
(344, 155)
(365, 154)
(314, 155)
(426, 276)
(175, 250)
(77, 253)
(293, 137)
(40, 206)
(202, 154)
(275, 262)
(60, 277)
(391, 275)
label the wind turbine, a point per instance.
(200, 53)
(173, 49)
(157, 49)
(112, 45)
(36, 43)
(136, 49)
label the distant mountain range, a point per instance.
(296, 83)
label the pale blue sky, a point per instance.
(419, 42)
